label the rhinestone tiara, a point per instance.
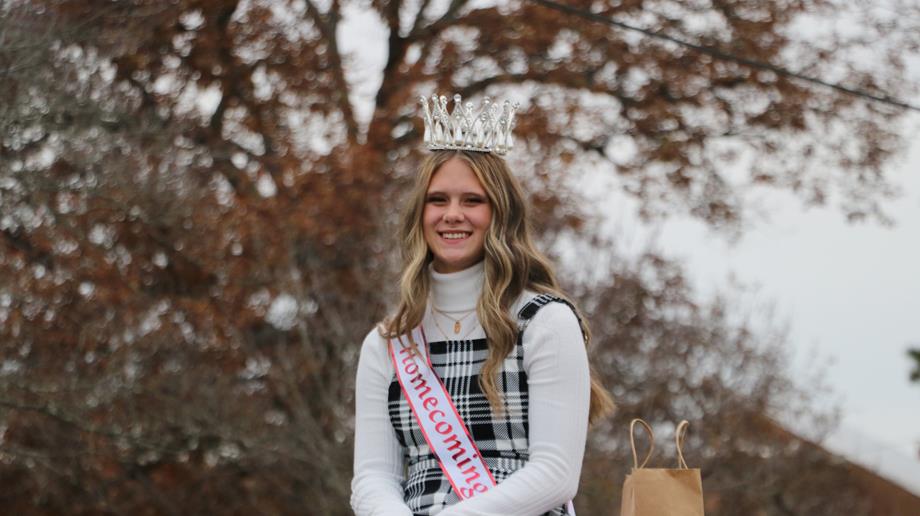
(488, 130)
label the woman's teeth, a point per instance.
(455, 236)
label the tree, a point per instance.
(914, 355)
(194, 221)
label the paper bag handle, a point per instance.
(679, 440)
(632, 442)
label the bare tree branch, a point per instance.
(327, 25)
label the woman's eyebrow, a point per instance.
(467, 192)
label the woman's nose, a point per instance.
(453, 213)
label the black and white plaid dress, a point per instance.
(502, 438)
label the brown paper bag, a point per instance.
(661, 492)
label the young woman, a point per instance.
(481, 309)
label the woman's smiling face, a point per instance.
(456, 216)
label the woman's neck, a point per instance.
(457, 291)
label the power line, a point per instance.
(726, 56)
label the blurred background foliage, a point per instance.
(197, 210)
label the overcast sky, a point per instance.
(851, 293)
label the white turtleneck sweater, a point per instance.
(556, 363)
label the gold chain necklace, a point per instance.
(457, 325)
(443, 333)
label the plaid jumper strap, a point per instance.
(528, 311)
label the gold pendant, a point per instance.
(457, 327)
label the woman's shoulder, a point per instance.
(548, 308)
(374, 341)
(375, 352)
(523, 299)
(550, 326)
(546, 313)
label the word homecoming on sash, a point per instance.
(441, 425)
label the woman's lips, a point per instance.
(454, 236)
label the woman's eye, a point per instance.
(436, 199)
(474, 200)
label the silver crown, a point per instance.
(489, 130)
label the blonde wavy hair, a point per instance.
(512, 264)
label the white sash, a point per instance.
(434, 410)
(447, 436)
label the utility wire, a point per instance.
(726, 56)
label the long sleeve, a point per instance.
(556, 363)
(376, 489)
